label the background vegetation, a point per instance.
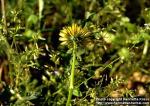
(113, 61)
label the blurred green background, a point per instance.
(112, 62)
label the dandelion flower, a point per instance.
(71, 33)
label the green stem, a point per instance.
(72, 75)
(41, 7)
(4, 16)
(145, 48)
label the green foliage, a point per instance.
(38, 67)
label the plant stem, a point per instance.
(72, 75)
(41, 6)
(4, 16)
(145, 48)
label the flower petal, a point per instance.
(64, 43)
(62, 34)
(63, 39)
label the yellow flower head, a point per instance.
(71, 33)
